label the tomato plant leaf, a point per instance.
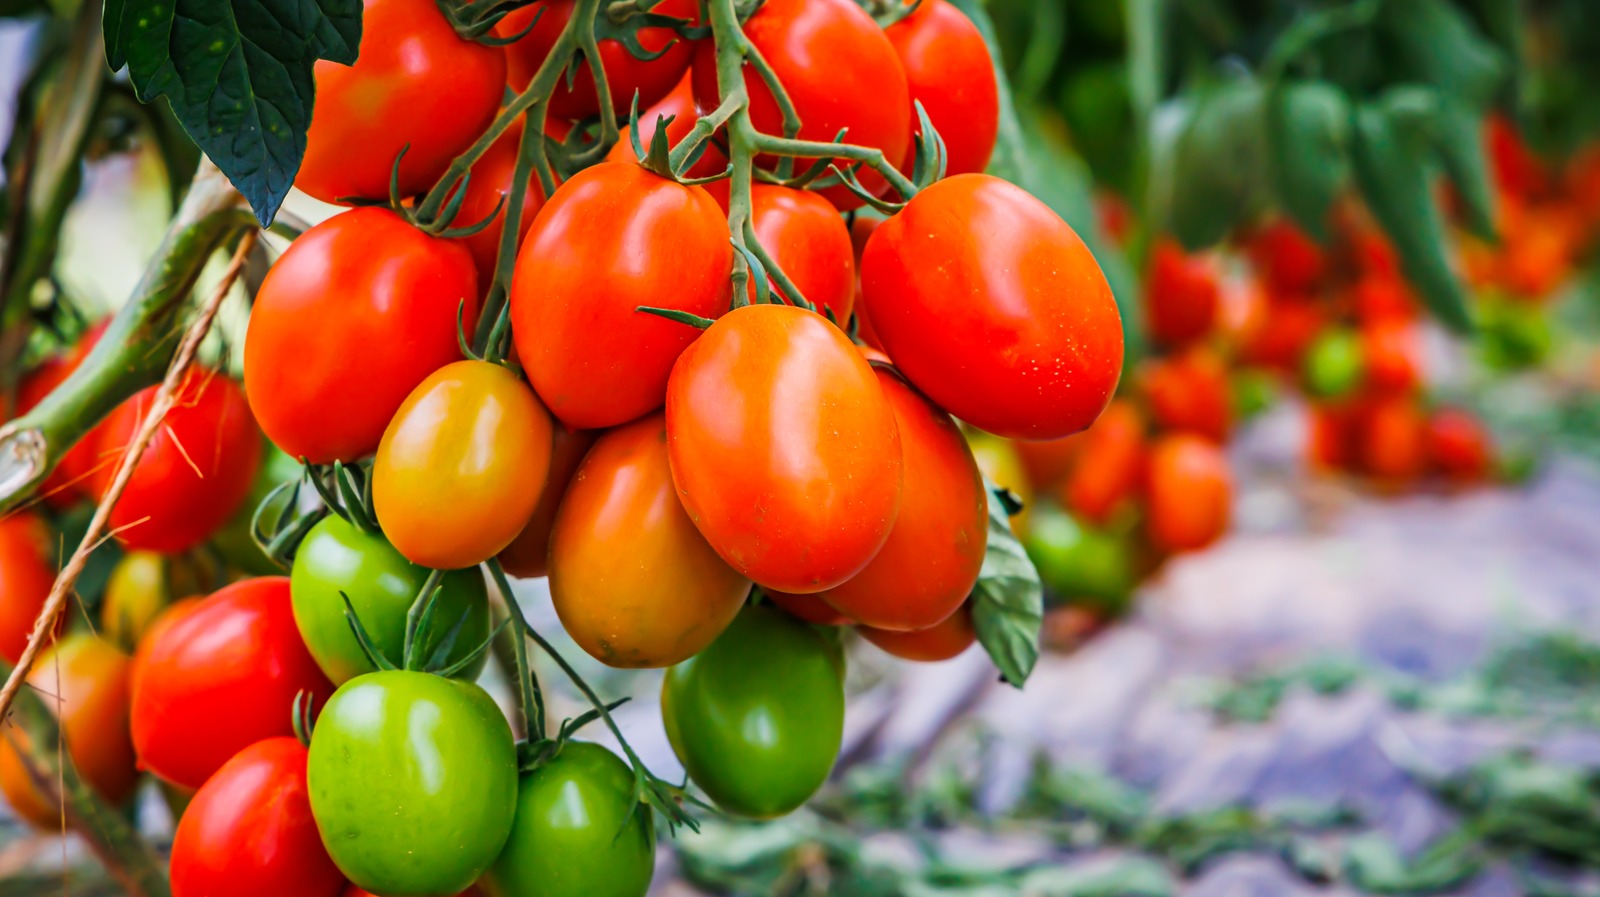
(1436, 42)
(1209, 174)
(1008, 601)
(1308, 125)
(238, 75)
(1458, 131)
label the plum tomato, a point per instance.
(1190, 493)
(810, 608)
(357, 311)
(413, 781)
(1109, 469)
(1189, 392)
(1392, 439)
(678, 107)
(949, 70)
(784, 448)
(528, 554)
(634, 582)
(810, 242)
(611, 239)
(135, 594)
(1459, 445)
(488, 190)
(757, 717)
(1182, 295)
(1083, 565)
(990, 305)
(27, 573)
(941, 641)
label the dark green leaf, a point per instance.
(1208, 179)
(1459, 133)
(1008, 601)
(1434, 41)
(1146, 28)
(1308, 127)
(238, 75)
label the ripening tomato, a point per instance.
(355, 313)
(992, 306)
(942, 641)
(1288, 259)
(810, 608)
(1190, 493)
(1459, 445)
(84, 681)
(810, 242)
(135, 595)
(413, 781)
(795, 499)
(1392, 439)
(930, 562)
(461, 466)
(1082, 565)
(579, 831)
(1182, 293)
(218, 676)
(626, 74)
(489, 193)
(678, 108)
(417, 86)
(27, 573)
(634, 582)
(195, 473)
(338, 560)
(1001, 465)
(1189, 393)
(840, 72)
(757, 718)
(1335, 364)
(1392, 354)
(592, 357)
(528, 554)
(950, 72)
(1110, 464)
(248, 831)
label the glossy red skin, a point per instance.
(806, 237)
(1110, 465)
(67, 483)
(1459, 445)
(625, 73)
(949, 70)
(196, 472)
(27, 571)
(948, 639)
(990, 304)
(839, 70)
(416, 85)
(930, 562)
(218, 677)
(528, 554)
(612, 238)
(248, 831)
(356, 313)
(1181, 295)
(678, 107)
(1189, 393)
(1190, 493)
(487, 189)
(1392, 439)
(796, 499)
(810, 608)
(1288, 260)
(1393, 357)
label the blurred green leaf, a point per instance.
(1211, 175)
(1008, 601)
(1459, 130)
(1308, 131)
(1434, 41)
(1146, 22)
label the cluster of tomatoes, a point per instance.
(664, 469)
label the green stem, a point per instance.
(531, 697)
(414, 615)
(531, 147)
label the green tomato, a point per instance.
(1334, 364)
(1080, 563)
(1513, 336)
(337, 556)
(1254, 391)
(757, 717)
(233, 541)
(574, 835)
(413, 782)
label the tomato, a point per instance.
(357, 891)
(1080, 563)
(248, 831)
(336, 557)
(1190, 393)
(1392, 439)
(27, 573)
(1335, 364)
(1182, 293)
(1459, 445)
(795, 499)
(461, 465)
(810, 608)
(942, 641)
(810, 242)
(1288, 259)
(65, 485)
(528, 555)
(84, 681)
(930, 562)
(489, 193)
(1190, 493)
(218, 676)
(355, 313)
(1378, 299)
(1110, 466)
(592, 358)
(992, 306)
(417, 86)
(677, 106)
(413, 782)
(757, 717)
(196, 472)
(234, 543)
(135, 594)
(1279, 335)
(1001, 465)
(949, 71)
(1047, 462)
(1393, 357)
(861, 230)
(840, 72)
(673, 594)
(579, 831)
(626, 74)
(1514, 335)
(1330, 437)
(1518, 171)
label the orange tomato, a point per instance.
(528, 555)
(1110, 464)
(940, 642)
(1392, 439)
(1279, 333)
(1382, 300)
(1392, 355)
(1190, 493)
(1189, 393)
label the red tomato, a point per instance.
(1189, 393)
(613, 238)
(27, 571)
(1393, 357)
(839, 70)
(929, 563)
(1279, 334)
(810, 608)
(810, 242)
(992, 306)
(784, 448)
(1181, 295)
(529, 553)
(1110, 464)
(1382, 299)
(196, 472)
(861, 230)
(1393, 439)
(1459, 445)
(1330, 436)
(1517, 170)
(489, 186)
(1190, 493)
(941, 642)
(949, 71)
(248, 831)
(626, 74)
(1047, 462)
(417, 86)
(66, 484)
(677, 106)
(1289, 261)
(217, 677)
(352, 317)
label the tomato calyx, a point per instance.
(304, 716)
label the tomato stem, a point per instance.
(421, 606)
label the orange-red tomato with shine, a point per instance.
(810, 242)
(529, 553)
(784, 448)
(948, 639)
(949, 70)
(1392, 439)
(1288, 259)
(1190, 393)
(27, 571)
(1110, 464)
(1392, 355)
(1181, 295)
(1190, 493)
